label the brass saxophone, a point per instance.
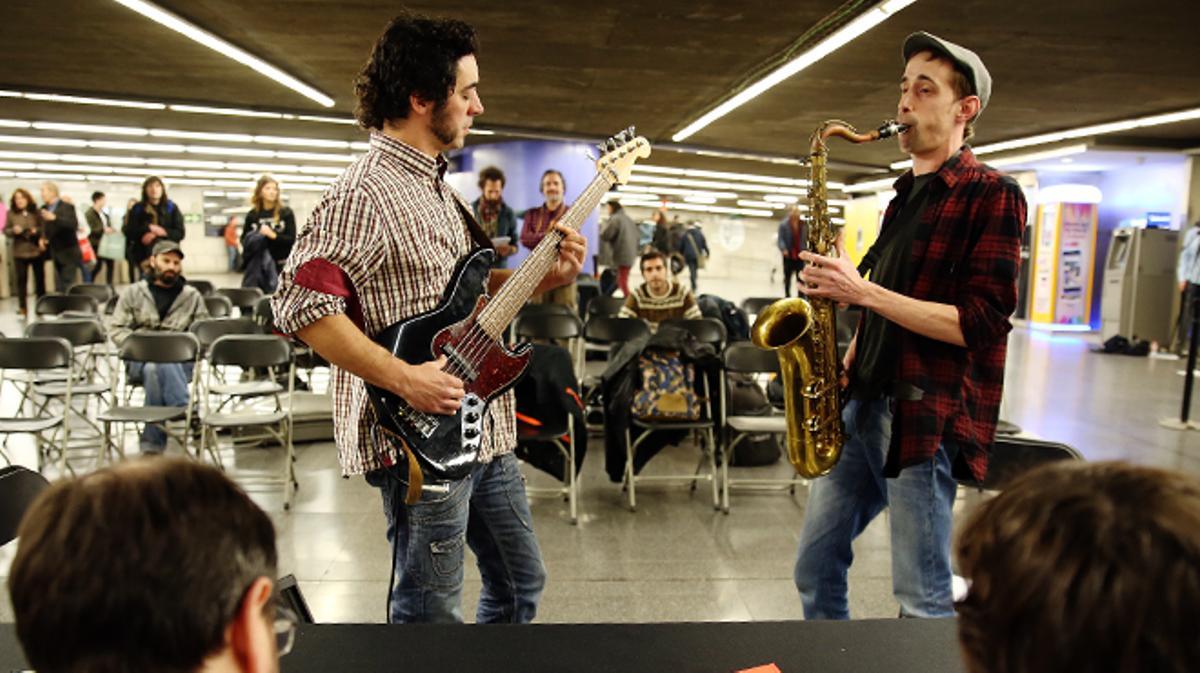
(803, 332)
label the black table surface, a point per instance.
(892, 645)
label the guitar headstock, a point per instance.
(619, 153)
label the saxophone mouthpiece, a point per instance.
(891, 128)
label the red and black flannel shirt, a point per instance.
(966, 252)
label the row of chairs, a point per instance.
(75, 351)
(91, 298)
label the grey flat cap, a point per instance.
(166, 245)
(966, 60)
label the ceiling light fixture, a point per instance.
(839, 38)
(198, 34)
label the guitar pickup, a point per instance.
(461, 362)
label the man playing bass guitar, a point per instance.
(380, 248)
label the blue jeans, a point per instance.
(487, 510)
(233, 253)
(842, 504)
(167, 384)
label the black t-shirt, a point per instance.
(285, 230)
(165, 296)
(877, 352)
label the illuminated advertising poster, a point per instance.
(1075, 245)
(1045, 247)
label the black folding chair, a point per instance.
(218, 306)
(19, 487)
(203, 286)
(1012, 457)
(556, 428)
(551, 327)
(604, 306)
(158, 348)
(93, 372)
(209, 330)
(33, 355)
(244, 298)
(56, 304)
(747, 359)
(706, 330)
(246, 352)
(600, 333)
(754, 305)
(101, 293)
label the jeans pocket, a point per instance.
(446, 560)
(514, 488)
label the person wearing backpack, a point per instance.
(695, 251)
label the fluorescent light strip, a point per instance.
(725, 175)
(681, 192)
(1017, 159)
(90, 128)
(709, 184)
(174, 148)
(289, 141)
(1081, 132)
(142, 165)
(721, 210)
(195, 109)
(228, 111)
(839, 38)
(89, 100)
(198, 34)
(880, 185)
(748, 203)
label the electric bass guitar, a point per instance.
(467, 327)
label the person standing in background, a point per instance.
(153, 218)
(1187, 272)
(61, 224)
(695, 251)
(99, 224)
(231, 242)
(537, 222)
(495, 216)
(623, 235)
(662, 232)
(134, 272)
(792, 240)
(24, 229)
(267, 236)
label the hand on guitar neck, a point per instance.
(572, 251)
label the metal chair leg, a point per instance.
(629, 476)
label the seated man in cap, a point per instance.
(1083, 567)
(160, 565)
(161, 301)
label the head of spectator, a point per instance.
(491, 184)
(1083, 567)
(614, 207)
(166, 262)
(659, 217)
(154, 191)
(22, 202)
(151, 565)
(49, 192)
(266, 195)
(943, 90)
(421, 82)
(655, 272)
(794, 215)
(98, 201)
(554, 188)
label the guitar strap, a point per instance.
(477, 234)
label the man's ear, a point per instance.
(251, 635)
(968, 108)
(420, 105)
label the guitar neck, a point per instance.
(503, 308)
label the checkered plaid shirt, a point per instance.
(380, 247)
(966, 253)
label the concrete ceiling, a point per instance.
(588, 69)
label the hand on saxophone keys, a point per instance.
(834, 278)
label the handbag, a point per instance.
(112, 246)
(85, 249)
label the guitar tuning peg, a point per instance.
(612, 145)
(590, 156)
(632, 132)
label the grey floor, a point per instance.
(676, 559)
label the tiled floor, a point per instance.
(677, 559)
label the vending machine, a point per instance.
(1137, 299)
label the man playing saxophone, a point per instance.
(926, 367)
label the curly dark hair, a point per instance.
(491, 174)
(416, 55)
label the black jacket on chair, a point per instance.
(549, 393)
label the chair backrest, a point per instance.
(544, 309)
(160, 347)
(549, 326)
(250, 350)
(745, 358)
(19, 486)
(218, 306)
(208, 331)
(289, 593)
(1012, 457)
(80, 332)
(242, 297)
(46, 352)
(707, 330)
(608, 329)
(101, 293)
(203, 286)
(54, 304)
(264, 315)
(608, 306)
(755, 305)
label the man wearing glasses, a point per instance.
(152, 565)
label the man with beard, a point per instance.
(495, 216)
(161, 301)
(380, 247)
(538, 221)
(926, 367)
(660, 297)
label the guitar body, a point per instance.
(448, 446)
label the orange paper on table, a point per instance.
(768, 668)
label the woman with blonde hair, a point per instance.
(267, 236)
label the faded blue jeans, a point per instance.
(167, 384)
(487, 510)
(842, 504)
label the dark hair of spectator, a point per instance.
(138, 567)
(415, 55)
(1083, 567)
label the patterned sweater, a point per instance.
(676, 303)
